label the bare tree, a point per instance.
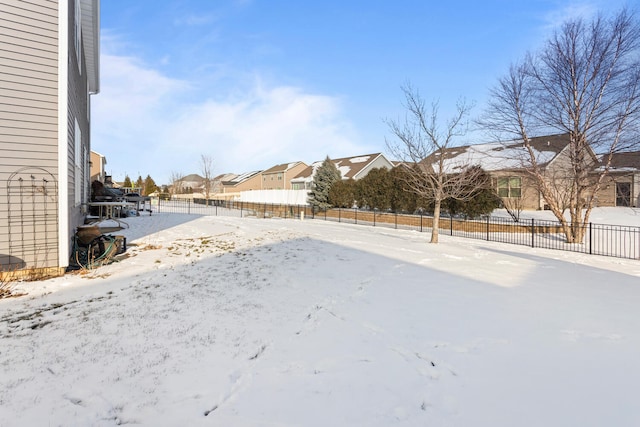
(423, 144)
(206, 169)
(584, 82)
(176, 182)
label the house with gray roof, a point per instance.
(621, 187)
(244, 182)
(279, 177)
(507, 163)
(356, 167)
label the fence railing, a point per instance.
(599, 239)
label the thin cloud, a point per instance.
(145, 122)
(267, 126)
(555, 18)
(193, 20)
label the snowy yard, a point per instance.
(224, 321)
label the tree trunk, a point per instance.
(436, 221)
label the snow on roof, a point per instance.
(242, 177)
(349, 167)
(281, 167)
(494, 156)
(360, 159)
(344, 170)
(499, 155)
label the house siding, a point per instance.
(270, 181)
(78, 110)
(607, 195)
(378, 162)
(28, 133)
(253, 183)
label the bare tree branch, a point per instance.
(584, 82)
(422, 143)
(176, 182)
(206, 168)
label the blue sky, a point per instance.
(255, 83)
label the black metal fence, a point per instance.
(599, 239)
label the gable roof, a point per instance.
(241, 178)
(349, 167)
(629, 161)
(194, 177)
(225, 177)
(281, 168)
(508, 155)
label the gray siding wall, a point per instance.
(78, 109)
(28, 133)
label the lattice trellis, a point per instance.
(32, 196)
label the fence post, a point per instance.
(189, 206)
(421, 220)
(590, 238)
(339, 215)
(533, 233)
(487, 228)
(356, 214)
(396, 219)
(451, 223)
(374, 217)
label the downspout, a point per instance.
(63, 132)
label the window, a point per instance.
(510, 187)
(623, 194)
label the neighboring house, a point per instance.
(50, 66)
(622, 186)
(98, 165)
(356, 168)
(216, 183)
(279, 177)
(245, 182)
(193, 183)
(506, 163)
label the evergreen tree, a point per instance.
(139, 183)
(326, 175)
(127, 182)
(376, 190)
(403, 199)
(482, 201)
(149, 186)
(342, 194)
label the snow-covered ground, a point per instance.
(610, 216)
(227, 321)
